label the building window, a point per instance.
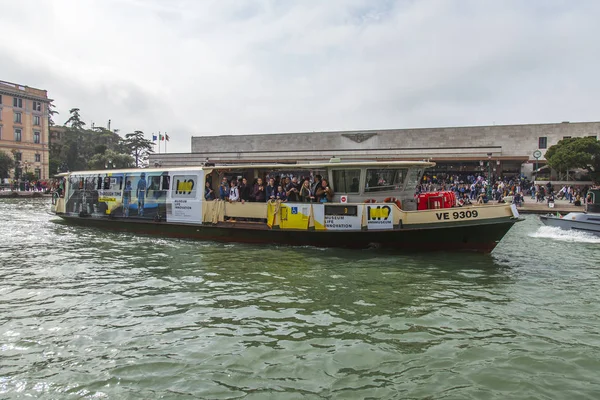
(17, 102)
(38, 158)
(18, 118)
(566, 137)
(594, 136)
(36, 137)
(38, 173)
(36, 120)
(543, 142)
(37, 106)
(18, 156)
(17, 135)
(0, 132)
(0, 99)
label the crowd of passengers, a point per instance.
(277, 188)
(476, 188)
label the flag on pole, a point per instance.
(154, 137)
(161, 137)
(167, 137)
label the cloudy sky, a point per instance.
(211, 67)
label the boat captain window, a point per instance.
(346, 180)
(379, 180)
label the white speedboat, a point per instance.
(588, 221)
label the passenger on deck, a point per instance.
(293, 190)
(305, 194)
(271, 190)
(234, 193)
(324, 193)
(224, 189)
(209, 194)
(315, 185)
(281, 195)
(354, 186)
(258, 192)
(245, 190)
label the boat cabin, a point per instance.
(352, 182)
(593, 201)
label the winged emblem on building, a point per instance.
(359, 137)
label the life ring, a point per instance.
(461, 203)
(393, 200)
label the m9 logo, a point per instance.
(184, 187)
(378, 213)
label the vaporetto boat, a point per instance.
(374, 205)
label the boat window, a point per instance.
(346, 180)
(165, 182)
(384, 179)
(154, 183)
(414, 178)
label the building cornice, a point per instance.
(23, 94)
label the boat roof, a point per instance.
(321, 165)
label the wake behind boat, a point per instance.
(588, 221)
(335, 204)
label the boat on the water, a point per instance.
(587, 221)
(369, 204)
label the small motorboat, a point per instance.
(588, 221)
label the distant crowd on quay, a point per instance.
(25, 185)
(470, 189)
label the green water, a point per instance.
(86, 313)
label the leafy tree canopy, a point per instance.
(574, 153)
(7, 163)
(111, 159)
(80, 148)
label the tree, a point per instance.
(6, 164)
(575, 153)
(111, 159)
(51, 112)
(139, 147)
(75, 120)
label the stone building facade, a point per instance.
(24, 128)
(506, 148)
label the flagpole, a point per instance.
(158, 142)
(166, 140)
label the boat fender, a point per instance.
(393, 200)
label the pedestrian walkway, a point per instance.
(560, 206)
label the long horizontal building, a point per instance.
(507, 148)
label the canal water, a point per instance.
(86, 313)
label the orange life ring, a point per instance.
(393, 200)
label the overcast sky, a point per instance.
(238, 67)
